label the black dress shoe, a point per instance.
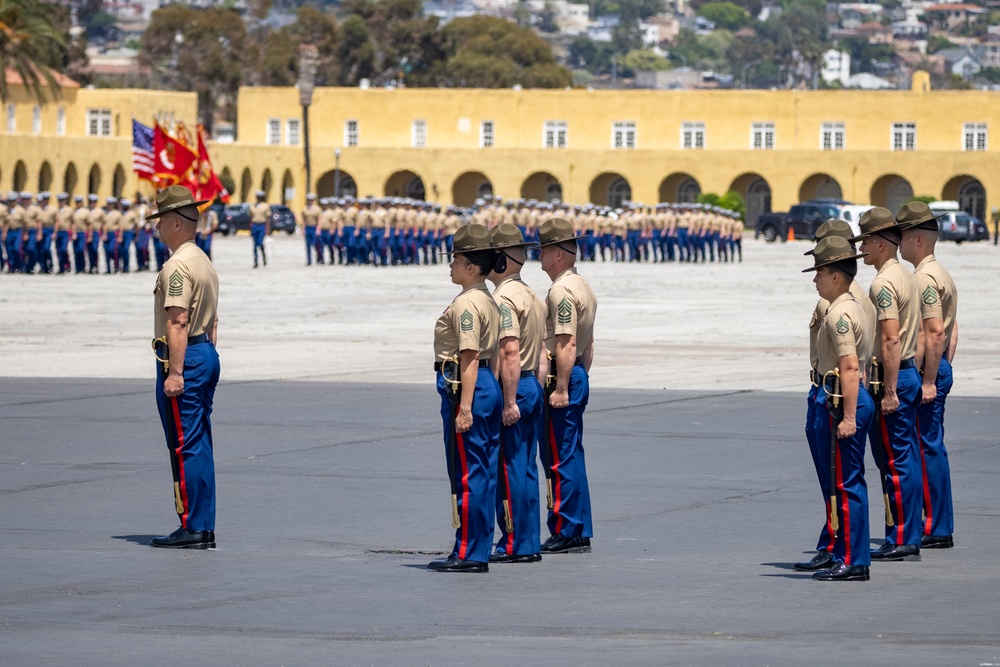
(186, 539)
(821, 561)
(514, 558)
(897, 552)
(937, 542)
(560, 544)
(454, 564)
(842, 572)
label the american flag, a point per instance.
(142, 150)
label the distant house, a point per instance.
(836, 66)
(875, 33)
(852, 15)
(953, 15)
(912, 30)
(449, 11)
(965, 62)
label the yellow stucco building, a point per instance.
(450, 146)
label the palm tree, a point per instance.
(28, 39)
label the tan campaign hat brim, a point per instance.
(175, 206)
(834, 260)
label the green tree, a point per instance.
(356, 51)
(725, 15)
(937, 43)
(644, 61)
(29, 42)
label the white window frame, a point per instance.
(832, 136)
(98, 122)
(975, 136)
(293, 131)
(36, 119)
(487, 134)
(693, 135)
(11, 118)
(61, 121)
(623, 135)
(351, 132)
(904, 136)
(762, 136)
(418, 133)
(272, 136)
(555, 134)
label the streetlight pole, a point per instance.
(307, 82)
(745, 68)
(336, 173)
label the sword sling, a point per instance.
(450, 370)
(543, 452)
(834, 403)
(877, 391)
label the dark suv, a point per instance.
(236, 217)
(282, 219)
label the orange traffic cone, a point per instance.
(791, 233)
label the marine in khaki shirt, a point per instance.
(187, 280)
(894, 294)
(470, 322)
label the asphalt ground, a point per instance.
(334, 496)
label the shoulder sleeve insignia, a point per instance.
(843, 326)
(884, 298)
(466, 320)
(930, 295)
(506, 317)
(564, 311)
(175, 284)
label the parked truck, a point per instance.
(803, 219)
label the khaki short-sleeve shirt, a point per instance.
(843, 332)
(112, 221)
(187, 280)
(938, 294)
(310, 215)
(894, 293)
(259, 213)
(470, 322)
(95, 219)
(522, 316)
(47, 215)
(572, 309)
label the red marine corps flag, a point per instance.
(203, 181)
(171, 159)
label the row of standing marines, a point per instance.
(38, 235)
(493, 355)
(881, 369)
(400, 231)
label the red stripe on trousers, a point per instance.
(557, 503)
(845, 507)
(829, 525)
(510, 505)
(179, 429)
(463, 546)
(928, 509)
(890, 461)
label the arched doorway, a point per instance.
(891, 191)
(20, 180)
(94, 180)
(118, 181)
(469, 187)
(265, 184)
(405, 183)
(756, 193)
(246, 186)
(287, 187)
(679, 188)
(336, 183)
(45, 178)
(610, 189)
(970, 194)
(69, 179)
(542, 186)
(820, 186)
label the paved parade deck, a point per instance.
(333, 497)
(333, 493)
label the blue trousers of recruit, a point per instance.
(657, 241)
(187, 425)
(14, 250)
(376, 246)
(160, 250)
(111, 252)
(939, 515)
(851, 543)
(520, 475)
(900, 461)
(348, 241)
(125, 250)
(475, 466)
(324, 243)
(682, 244)
(79, 252)
(570, 513)
(142, 250)
(310, 243)
(30, 250)
(633, 246)
(257, 232)
(45, 249)
(92, 252)
(825, 542)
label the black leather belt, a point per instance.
(907, 363)
(528, 374)
(483, 363)
(200, 338)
